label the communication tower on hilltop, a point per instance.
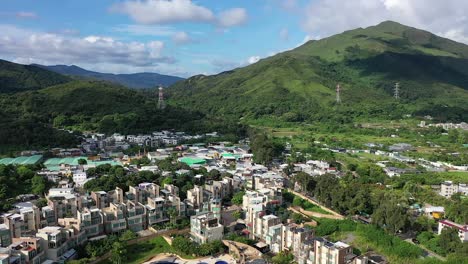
(396, 91)
(338, 90)
(161, 103)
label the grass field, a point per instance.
(141, 252)
(456, 176)
(313, 208)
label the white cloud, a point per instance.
(284, 34)
(327, 17)
(164, 11)
(181, 38)
(232, 17)
(30, 46)
(224, 65)
(457, 34)
(253, 59)
(221, 64)
(151, 12)
(26, 14)
(289, 5)
(145, 30)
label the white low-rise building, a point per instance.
(80, 177)
(205, 227)
(462, 229)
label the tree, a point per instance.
(24, 172)
(390, 215)
(166, 180)
(214, 175)
(237, 215)
(306, 181)
(453, 135)
(449, 240)
(172, 212)
(41, 202)
(283, 258)
(183, 245)
(38, 184)
(118, 253)
(128, 235)
(326, 185)
(297, 201)
(424, 223)
(457, 211)
(238, 198)
(82, 161)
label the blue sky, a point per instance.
(185, 37)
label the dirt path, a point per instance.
(335, 214)
(298, 209)
(429, 252)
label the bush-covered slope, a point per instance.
(31, 119)
(16, 77)
(300, 84)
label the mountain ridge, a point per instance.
(140, 80)
(299, 84)
(18, 77)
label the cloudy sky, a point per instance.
(184, 37)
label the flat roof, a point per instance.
(22, 160)
(192, 160)
(53, 164)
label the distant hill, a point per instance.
(299, 85)
(134, 80)
(16, 77)
(35, 119)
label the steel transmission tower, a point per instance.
(338, 90)
(161, 103)
(396, 91)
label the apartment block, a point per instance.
(326, 252)
(205, 227)
(59, 241)
(91, 221)
(5, 236)
(448, 188)
(136, 216)
(29, 249)
(114, 218)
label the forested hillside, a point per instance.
(16, 77)
(31, 119)
(299, 85)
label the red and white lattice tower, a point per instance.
(338, 90)
(161, 103)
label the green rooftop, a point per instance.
(23, 160)
(193, 161)
(53, 164)
(231, 155)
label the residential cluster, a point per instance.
(297, 239)
(95, 142)
(72, 217)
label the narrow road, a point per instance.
(339, 216)
(427, 251)
(313, 214)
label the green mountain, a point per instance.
(142, 80)
(16, 77)
(299, 85)
(39, 118)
